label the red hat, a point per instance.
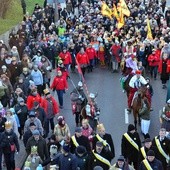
(138, 72)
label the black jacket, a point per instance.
(165, 144)
(155, 164)
(26, 136)
(108, 138)
(128, 150)
(93, 161)
(82, 140)
(2, 124)
(40, 113)
(22, 116)
(9, 138)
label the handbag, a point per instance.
(12, 147)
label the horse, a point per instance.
(137, 103)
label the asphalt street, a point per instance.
(112, 102)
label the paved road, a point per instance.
(112, 102)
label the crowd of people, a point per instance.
(80, 41)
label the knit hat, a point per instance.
(121, 158)
(80, 149)
(36, 132)
(60, 120)
(78, 129)
(32, 124)
(97, 168)
(20, 99)
(138, 72)
(147, 140)
(31, 113)
(150, 153)
(66, 148)
(131, 127)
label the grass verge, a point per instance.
(14, 14)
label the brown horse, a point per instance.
(137, 104)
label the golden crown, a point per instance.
(34, 149)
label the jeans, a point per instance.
(154, 71)
(60, 96)
(10, 161)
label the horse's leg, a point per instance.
(139, 120)
(135, 119)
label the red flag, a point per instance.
(79, 68)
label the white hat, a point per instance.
(80, 84)
(92, 95)
(168, 101)
(4, 66)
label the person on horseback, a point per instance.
(78, 101)
(135, 83)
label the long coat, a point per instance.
(41, 147)
(107, 137)
(128, 151)
(165, 144)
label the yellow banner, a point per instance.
(114, 12)
(106, 11)
(149, 32)
(122, 6)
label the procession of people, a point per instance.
(130, 38)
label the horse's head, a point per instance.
(142, 91)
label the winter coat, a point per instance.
(82, 161)
(41, 147)
(59, 83)
(108, 138)
(82, 59)
(2, 124)
(82, 140)
(31, 99)
(26, 78)
(67, 162)
(37, 77)
(40, 114)
(66, 57)
(128, 150)
(9, 138)
(44, 104)
(22, 116)
(26, 136)
(37, 123)
(125, 167)
(153, 60)
(93, 161)
(165, 144)
(91, 53)
(155, 165)
(61, 133)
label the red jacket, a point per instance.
(31, 99)
(160, 66)
(116, 51)
(153, 59)
(44, 105)
(59, 83)
(91, 53)
(66, 57)
(82, 58)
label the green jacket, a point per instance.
(144, 112)
(2, 90)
